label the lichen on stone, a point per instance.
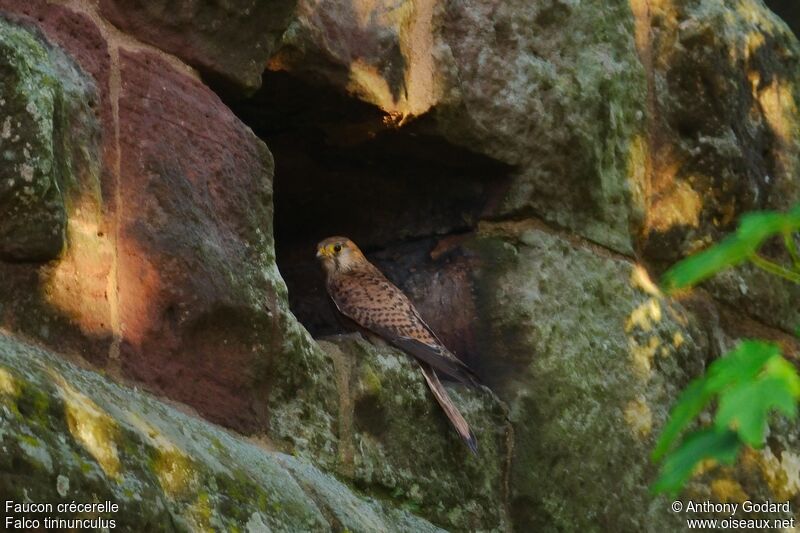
(95, 439)
(34, 219)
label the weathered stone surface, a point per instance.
(723, 138)
(556, 90)
(68, 434)
(590, 357)
(394, 439)
(72, 152)
(79, 37)
(391, 439)
(763, 296)
(76, 313)
(645, 127)
(33, 223)
(228, 41)
(169, 260)
(723, 118)
(353, 513)
(195, 267)
(641, 127)
(192, 307)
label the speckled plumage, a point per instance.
(364, 296)
(372, 301)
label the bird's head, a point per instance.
(339, 254)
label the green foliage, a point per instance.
(754, 229)
(748, 383)
(710, 443)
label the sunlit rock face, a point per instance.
(68, 434)
(639, 125)
(64, 207)
(157, 206)
(555, 90)
(646, 127)
(168, 279)
(515, 166)
(629, 130)
(194, 266)
(724, 80)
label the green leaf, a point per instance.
(711, 443)
(753, 230)
(699, 267)
(758, 380)
(741, 364)
(689, 404)
(756, 227)
(780, 368)
(751, 381)
(746, 408)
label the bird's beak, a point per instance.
(322, 252)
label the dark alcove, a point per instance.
(343, 168)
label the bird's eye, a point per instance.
(337, 248)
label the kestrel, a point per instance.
(375, 306)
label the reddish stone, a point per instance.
(194, 225)
(74, 32)
(227, 41)
(178, 282)
(80, 37)
(82, 40)
(26, 289)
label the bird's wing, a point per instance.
(456, 419)
(436, 356)
(374, 303)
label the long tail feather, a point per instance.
(458, 422)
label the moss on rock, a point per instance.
(34, 218)
(589, 357)
(587, 361)
(394, 441)
(48, 144)
(365, 412)
(69, 434)
(557, 90)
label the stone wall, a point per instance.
(524, 170)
